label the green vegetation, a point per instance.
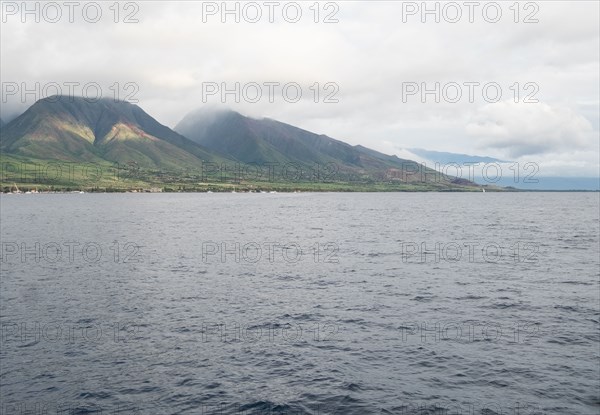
(71, 144)
(29, 174)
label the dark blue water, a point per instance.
(300, 303)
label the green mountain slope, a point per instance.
(77, 130)
(139, 152)
(252, 140)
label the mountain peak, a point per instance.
(56, 102)
(265, 140)
(80, 129)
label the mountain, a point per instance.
(1, 123)
(77, 130)
(250, 140)
(260, 141)
(442, 157)
(70, 129)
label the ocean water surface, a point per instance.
(308, 303)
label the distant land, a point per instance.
(551, 183)
(447, 158)
(66, 143)
(536, 182)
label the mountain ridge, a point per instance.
(76, 129)
(270, 140)
(444, 157)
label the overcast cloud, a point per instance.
(370, 54)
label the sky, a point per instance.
(518, 81)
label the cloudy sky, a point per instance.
(515, 82)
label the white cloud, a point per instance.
(369, 54)
(526, 129)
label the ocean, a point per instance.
(300, 303)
